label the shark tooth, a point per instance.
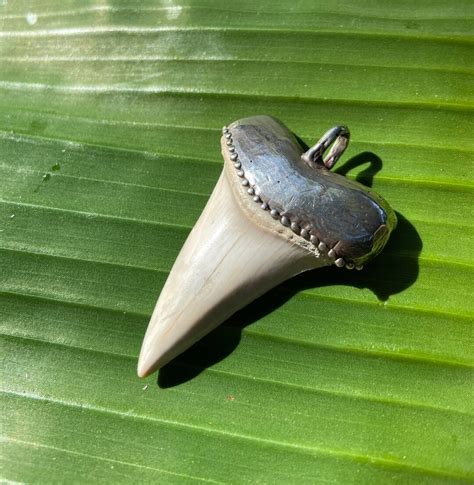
(274, 213)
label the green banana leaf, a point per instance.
(110, 118)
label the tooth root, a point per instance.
(235, 253)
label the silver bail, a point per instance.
(338, 137)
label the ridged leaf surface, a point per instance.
(110, 118)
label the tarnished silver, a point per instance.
(342, 217)
(338, 137)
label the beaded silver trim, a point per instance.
(276, 214)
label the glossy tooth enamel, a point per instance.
(235, 253)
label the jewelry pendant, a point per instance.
(275, 212)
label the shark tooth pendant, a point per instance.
(275, 212)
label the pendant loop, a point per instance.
(338, 137)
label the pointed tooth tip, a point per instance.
(148, 365)
(143, 370)
(142, 373)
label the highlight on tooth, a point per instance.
(275, 211)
